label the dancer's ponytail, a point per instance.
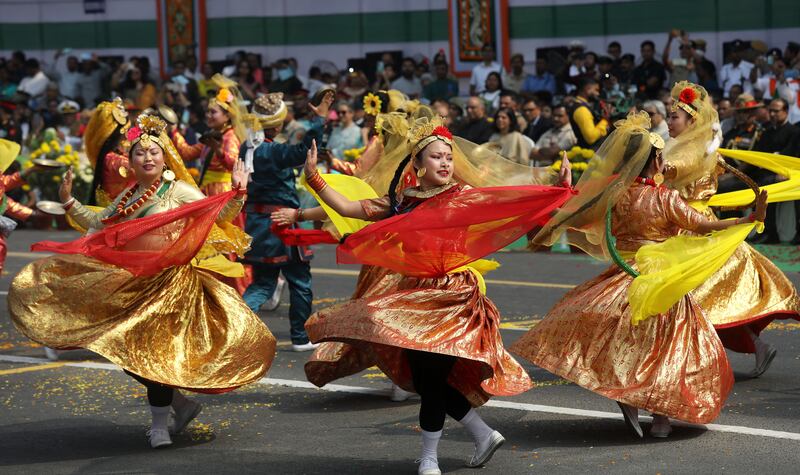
(395, 181)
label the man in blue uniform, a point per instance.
(273, 187)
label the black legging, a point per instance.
(429, 372)
(158, 395)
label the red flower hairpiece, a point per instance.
(687, 95)
(134, 133)
(442, 131)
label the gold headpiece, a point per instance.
(149, 129)
(688, 98)
(430, 131)
(106, 119)
(656, 140)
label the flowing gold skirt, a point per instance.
(181, 327)
(446, 315)
(748, 292)
(333, 360)
(672, 364)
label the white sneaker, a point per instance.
(481, 457)
(399, 394)
(428, 466)
(159, 438)
(186, 415)
(275, 301)
(305, 347)
(50, 353)
(661, 427)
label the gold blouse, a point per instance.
(179, 193)
(647, 214)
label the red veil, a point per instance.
(452, 229)
(146, 246)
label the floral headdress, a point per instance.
(428, 132)
(372, 104)
(149, 129)
(690, 99)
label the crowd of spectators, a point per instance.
(569, 98)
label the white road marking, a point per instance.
(497, 403)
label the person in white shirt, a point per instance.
(67, 73)
(477, 82)
(737, 71)
(515, 78)
(35, 81)
(774, 85)
(408, 83)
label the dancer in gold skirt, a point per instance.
(128, 291)
(749, 291)
(437, 335)
(672, 364)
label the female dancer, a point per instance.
(436, 335)
(103, 138)
(746, 294)
(132, 295)
(672, 364)
(225, 116)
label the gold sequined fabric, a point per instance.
(333, 360)
(747, 293)
(446, 315)
(181, 327)
(672, 364)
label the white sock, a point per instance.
(430, 445)
(160, 417)
(476, 427)
(178, 400)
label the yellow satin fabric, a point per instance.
(673, 268)
(351, 188)
(182, 327)
(213, 176)
(787, 190)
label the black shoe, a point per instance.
(764, 239)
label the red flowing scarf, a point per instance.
(452, 229)
(146, 246)
(302, 237)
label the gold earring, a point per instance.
(658, 178)
(123, 172)
(168, 174)
(421, 172)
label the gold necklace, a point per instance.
(418, 193)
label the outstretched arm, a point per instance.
(289, 216)
(334, 199)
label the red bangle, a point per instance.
(240, 192)
(752, 218)
(316, 182)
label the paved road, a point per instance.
(81, 415)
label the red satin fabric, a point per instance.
(452, 229)
(146, 246)
(302, 237)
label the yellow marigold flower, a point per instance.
(68, 148)
(372, 104)
(45, 148)
(56, 178)
(26, 187)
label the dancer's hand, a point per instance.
(565, 173)
(284, 216)
(311, 159)
(324, 105)
(65, 190)
(239, 175)
(761, 206)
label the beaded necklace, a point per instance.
(122, 211)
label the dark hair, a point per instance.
(508, 92)
(395, 181)
(499, 79)
(586, 82)
(614, 44)
(108, 146)
(512, 119)
(410, 60)
(784, 104)
(32, 63)
(591, 53)
(628, 56)
(648, 43)
(250, 77)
